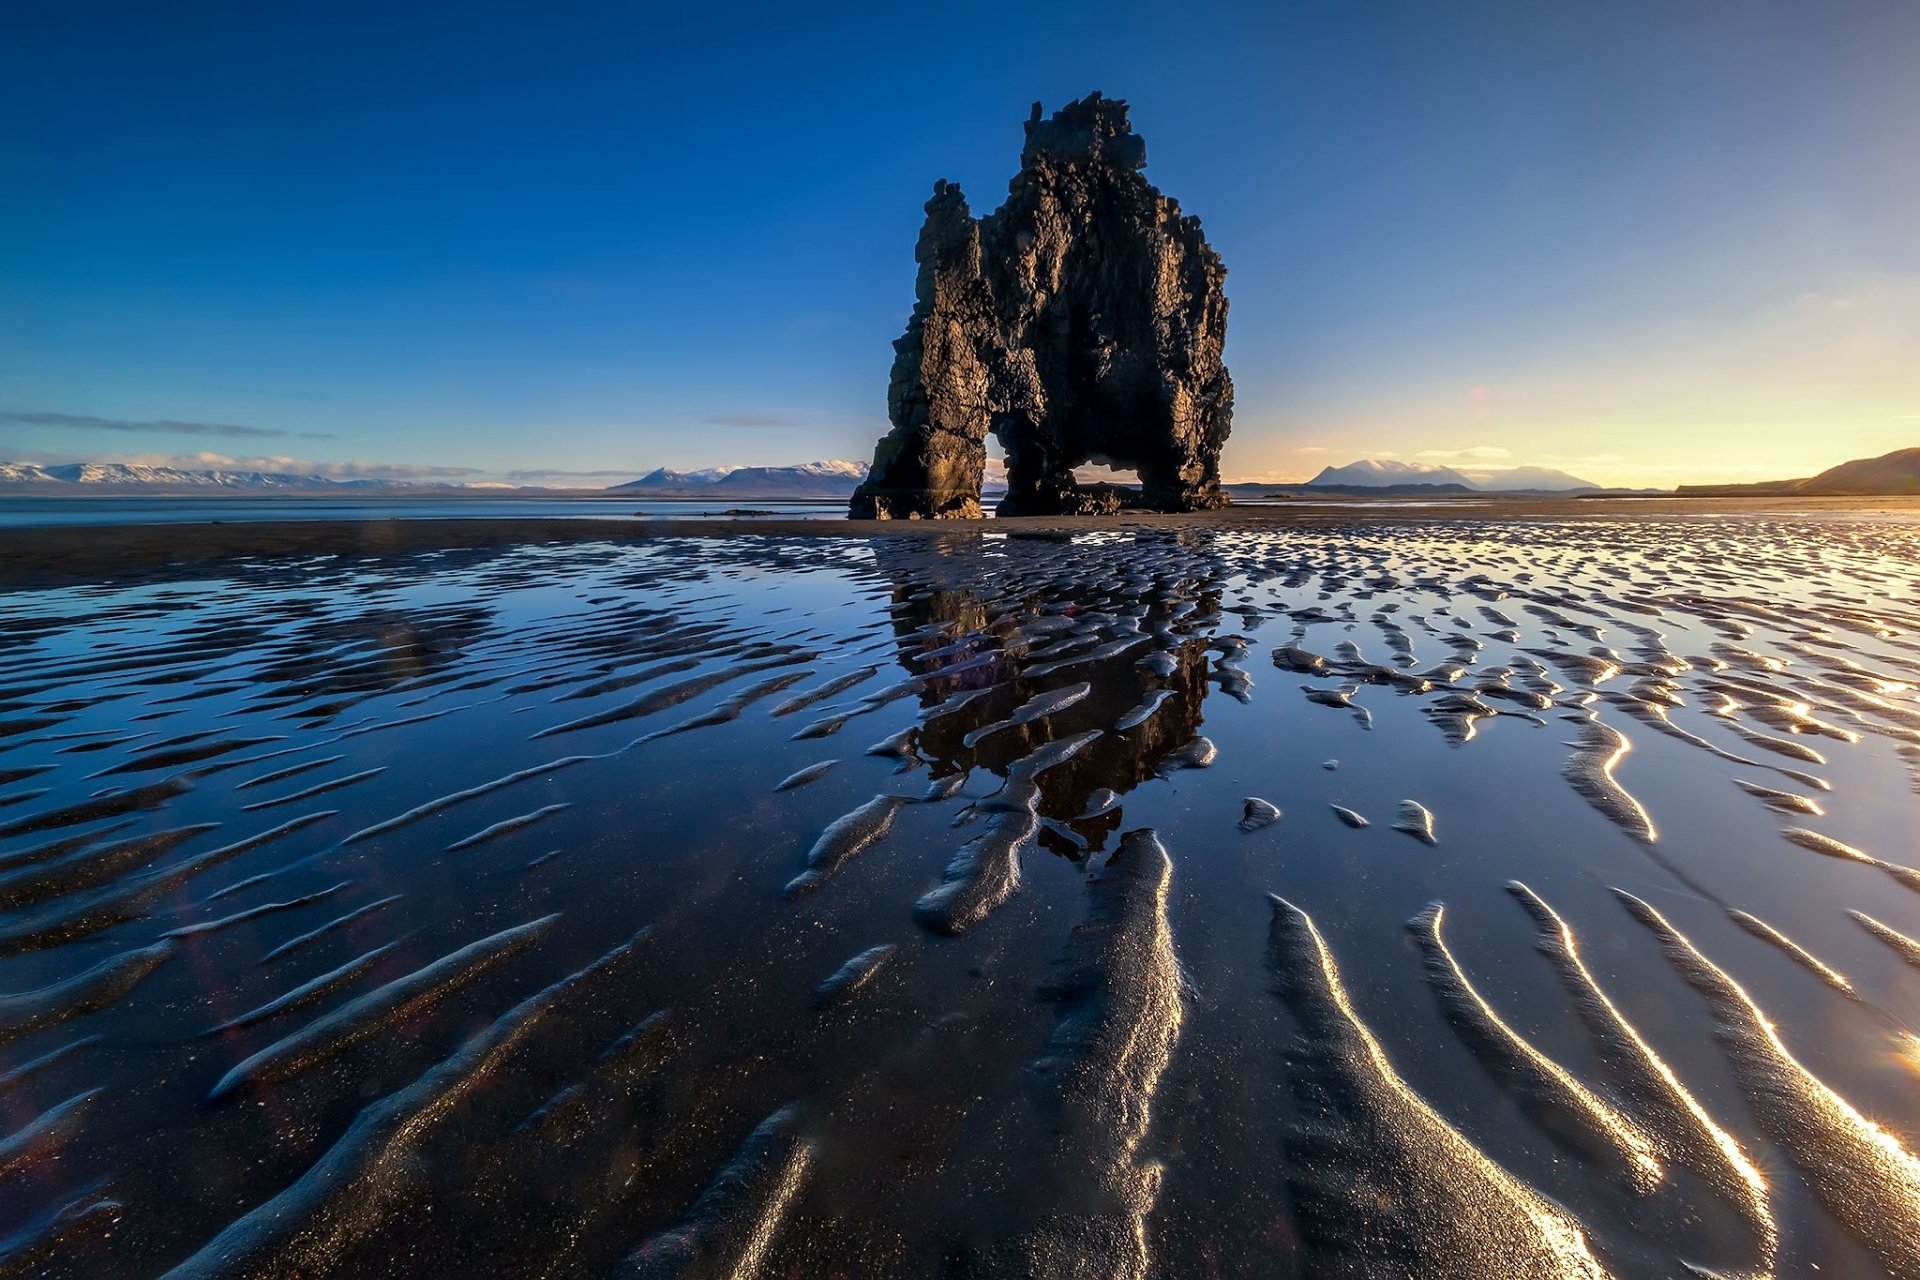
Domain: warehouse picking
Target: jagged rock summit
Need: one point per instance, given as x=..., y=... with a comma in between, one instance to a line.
x=1083, y=321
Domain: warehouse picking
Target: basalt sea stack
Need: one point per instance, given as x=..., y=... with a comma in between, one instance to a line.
x=1081, y=322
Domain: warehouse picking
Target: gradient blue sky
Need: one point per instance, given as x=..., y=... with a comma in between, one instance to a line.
x=1647, y=243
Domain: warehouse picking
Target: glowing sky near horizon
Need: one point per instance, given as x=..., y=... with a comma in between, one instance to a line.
x=1644, y=243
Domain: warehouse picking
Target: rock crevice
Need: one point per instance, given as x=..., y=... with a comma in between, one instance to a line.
x=1084, y=321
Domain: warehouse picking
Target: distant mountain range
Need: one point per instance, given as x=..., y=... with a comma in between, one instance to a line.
x=832, y=479
x=1888, y=475
x=123, y=475
x=1370, y=473
x=825, y=480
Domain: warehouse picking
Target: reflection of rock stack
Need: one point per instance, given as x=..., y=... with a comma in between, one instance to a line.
x=1026, y=696
x=915, y=606
x=1117, y=761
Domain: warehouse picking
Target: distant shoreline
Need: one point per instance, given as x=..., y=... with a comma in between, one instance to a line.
x=211, y=493
x=44, y=557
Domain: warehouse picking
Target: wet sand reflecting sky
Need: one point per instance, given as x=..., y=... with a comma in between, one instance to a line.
x=767, y=905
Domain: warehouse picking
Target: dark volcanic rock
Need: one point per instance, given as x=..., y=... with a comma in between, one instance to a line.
x=1082, y=322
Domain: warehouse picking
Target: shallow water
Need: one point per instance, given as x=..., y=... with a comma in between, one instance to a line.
x=18, y=512
x=800, y=907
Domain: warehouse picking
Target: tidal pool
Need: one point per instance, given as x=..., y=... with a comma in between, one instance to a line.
x=919, y=906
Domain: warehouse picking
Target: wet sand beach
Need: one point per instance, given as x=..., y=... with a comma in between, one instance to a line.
x=1469, y=890
x=72, y=554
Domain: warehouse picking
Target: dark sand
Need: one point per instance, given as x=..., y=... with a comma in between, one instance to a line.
x=386, y=899
x=36, y=558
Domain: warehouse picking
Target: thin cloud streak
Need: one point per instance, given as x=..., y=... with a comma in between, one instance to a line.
x=1478, y=453
x=629, y=473
x=157, y=426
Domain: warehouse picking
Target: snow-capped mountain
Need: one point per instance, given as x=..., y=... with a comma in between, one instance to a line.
x=830, y=479
x=1371, y=473
x=667, y=478
x=826, y=480
x=125, y=475
x=1528, y=478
